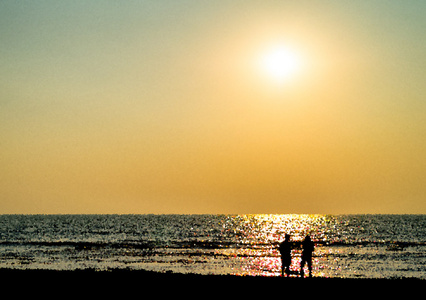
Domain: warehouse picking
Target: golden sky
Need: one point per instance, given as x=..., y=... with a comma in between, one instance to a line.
x=212, y=106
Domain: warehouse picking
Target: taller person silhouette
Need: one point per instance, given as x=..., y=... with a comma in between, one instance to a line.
x=307, y=249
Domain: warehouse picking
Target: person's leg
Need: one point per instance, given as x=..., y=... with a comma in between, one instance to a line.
x=310, y=266
x=302, y=265
x=287, y=270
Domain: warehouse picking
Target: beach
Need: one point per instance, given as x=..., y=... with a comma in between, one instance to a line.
x=124, y=284
x=137, y=280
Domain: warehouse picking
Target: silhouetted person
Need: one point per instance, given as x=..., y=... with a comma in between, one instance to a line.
x=285, y=251
x=308, y=248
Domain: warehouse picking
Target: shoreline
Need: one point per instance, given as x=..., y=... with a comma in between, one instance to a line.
x=155, y=276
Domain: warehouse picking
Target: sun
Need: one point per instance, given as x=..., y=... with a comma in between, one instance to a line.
x=280, y=63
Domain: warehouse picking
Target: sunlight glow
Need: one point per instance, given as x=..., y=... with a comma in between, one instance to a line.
x=280, y=63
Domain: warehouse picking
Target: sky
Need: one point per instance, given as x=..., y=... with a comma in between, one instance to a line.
x=183, y=107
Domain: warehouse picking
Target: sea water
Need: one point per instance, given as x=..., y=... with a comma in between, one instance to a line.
x=365, y=246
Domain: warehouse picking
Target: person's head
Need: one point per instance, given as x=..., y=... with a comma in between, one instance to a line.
x=308, y=238
x=287, y=237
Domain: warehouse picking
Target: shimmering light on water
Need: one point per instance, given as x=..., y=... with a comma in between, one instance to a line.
x=345, y=246
x=266, y=232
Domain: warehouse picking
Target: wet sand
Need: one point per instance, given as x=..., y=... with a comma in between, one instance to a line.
x=130, y=281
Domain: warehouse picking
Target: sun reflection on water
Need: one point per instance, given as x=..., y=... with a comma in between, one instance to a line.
x=264, y=233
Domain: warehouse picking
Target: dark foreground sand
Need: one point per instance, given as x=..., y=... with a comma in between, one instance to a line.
x=88, y=283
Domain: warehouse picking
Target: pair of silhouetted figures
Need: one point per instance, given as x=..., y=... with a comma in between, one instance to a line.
x=285, y=251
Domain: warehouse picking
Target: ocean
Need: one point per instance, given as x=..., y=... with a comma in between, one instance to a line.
x=347, y=246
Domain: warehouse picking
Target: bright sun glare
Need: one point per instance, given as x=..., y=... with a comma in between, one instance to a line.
x=280, y=63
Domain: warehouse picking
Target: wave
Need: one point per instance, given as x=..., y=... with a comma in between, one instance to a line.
x=143, y=245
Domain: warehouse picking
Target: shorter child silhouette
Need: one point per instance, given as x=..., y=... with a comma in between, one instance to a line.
x=285, y=251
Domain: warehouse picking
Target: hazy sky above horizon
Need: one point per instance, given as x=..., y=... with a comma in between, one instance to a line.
x=163, y=107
